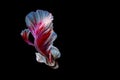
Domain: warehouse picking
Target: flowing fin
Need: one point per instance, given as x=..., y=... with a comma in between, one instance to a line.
x=51, y=38
x=49, y=42
x=35, y=18
x=25, y=35
x=40, y=58
x=55, y=52
x=38, y=21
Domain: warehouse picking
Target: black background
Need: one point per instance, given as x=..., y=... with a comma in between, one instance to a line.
x=27, y=59
x=78, y=39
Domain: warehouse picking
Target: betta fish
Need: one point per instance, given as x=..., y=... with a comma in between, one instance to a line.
x=40, y=25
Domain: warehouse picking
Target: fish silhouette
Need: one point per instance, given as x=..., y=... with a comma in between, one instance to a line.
x=40, y=25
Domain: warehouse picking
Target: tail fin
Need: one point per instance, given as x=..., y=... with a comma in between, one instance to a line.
x=34, y=18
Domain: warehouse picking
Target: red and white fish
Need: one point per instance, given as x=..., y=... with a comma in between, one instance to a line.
x=40, y=25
